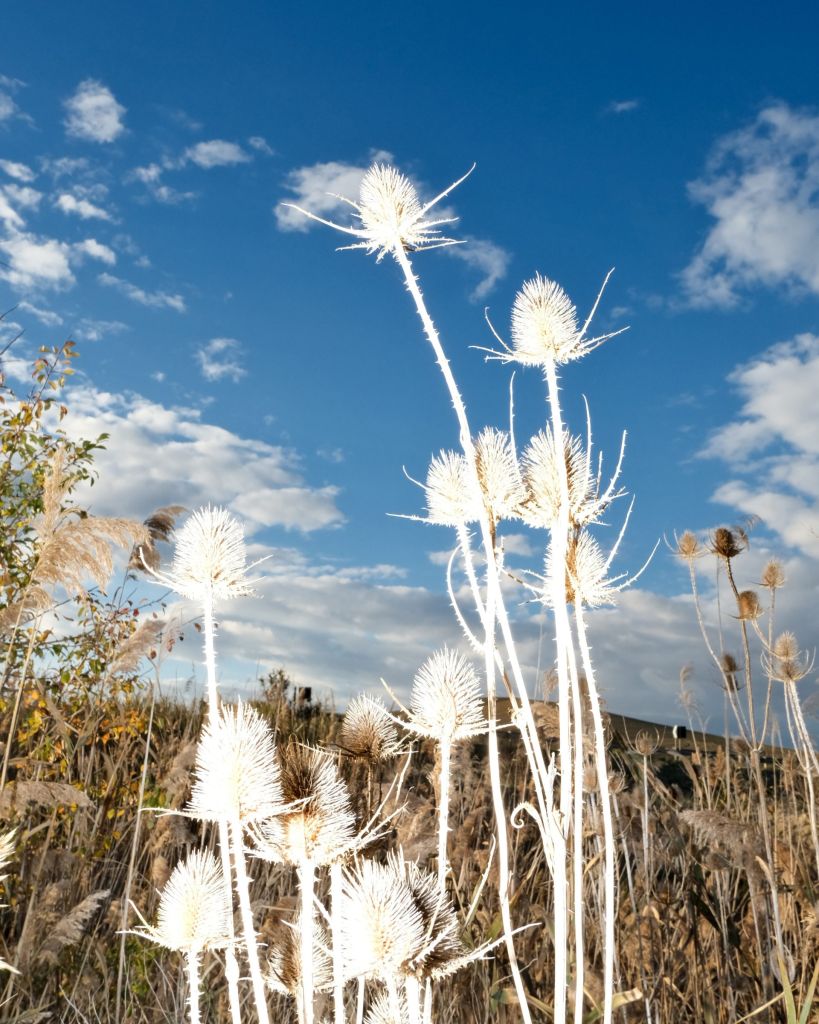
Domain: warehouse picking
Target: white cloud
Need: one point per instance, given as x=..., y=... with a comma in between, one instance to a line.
x=259, y=143
x=160, y=455
x=45, y=316
x=22, y=172
x=317, y=188
x=96, y=330
x=489, y=259
x=761, y=187
x=216, y=153
x=771, y=450
x=151, y=177
x=622, y=106
x=8, y=108
x=34, y=262
x=10, y=217
x=154, y=300
x=81, y=207
x=23, y=195
x=96, y=251
x=219, y=358
x=93, y=113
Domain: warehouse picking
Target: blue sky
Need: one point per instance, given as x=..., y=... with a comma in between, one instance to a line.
x=234, y=356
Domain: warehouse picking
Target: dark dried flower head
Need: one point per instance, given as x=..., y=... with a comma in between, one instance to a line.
x=284, y=973
x=773, y=575
x=727, y=543
x=646, y=744
x=368, y=731
x=748, y=605
x=730, y=670
x=160, y=526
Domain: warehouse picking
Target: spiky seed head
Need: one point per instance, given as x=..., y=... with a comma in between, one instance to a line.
x=451, y=497
x=544, y=324
x=688, y=547
x=585, y=572
x=442, y=944
x=542, y=474
x=368, y=731
x=446, y=699
x=236, y=774
x=773, y=575
x=382, y=1010
x=320, y=825
x=194, y=910
x=748, y=606
x=498, y=473
x=785, y=646
x=209, y=559
x=284, y=972
x=727, y=543
x=390, y=210
x=730, y=671
x=382, y=927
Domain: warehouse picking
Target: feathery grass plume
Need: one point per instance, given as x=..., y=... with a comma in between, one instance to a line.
x=70, y=929
x=450, y=493
x=498, y=473
x=236, y=774
x=391, y=215
x=143, y=642
x=209, y=559
x=367, y=730
x=160, y=525
x=194, y=915
x=7, y=842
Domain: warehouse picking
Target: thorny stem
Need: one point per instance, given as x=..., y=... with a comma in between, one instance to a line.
x=192, y=962
x=307, y=881
x=252, y=949
x=494, y=597
x=608, y=825
x=445, y=752
x=338, y=952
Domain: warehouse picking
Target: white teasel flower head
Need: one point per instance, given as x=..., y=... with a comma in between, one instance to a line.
x=584, y=573
x=498, y=473
x=394, y=922
x=284, y=972
x=787, y=664
x=317, y=823
x=236, y=775
x=541, y=476
x=544, y=324
x=209, y=559
x=451, y=495
x=391, y=216
x=368, y=731
x=382, y=1010
x=446, y=702
x=194, y=909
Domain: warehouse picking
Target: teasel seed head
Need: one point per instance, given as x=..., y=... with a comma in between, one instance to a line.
x=689, y=547
x=788, y=664
x=446, y=701
x=194, y=910
x=498, y=473
x=209, y=559
x=773, y=575
x=544, y=324
x=318, y=823
x=368, y=732
x=451, y=497
x=283, y=972
x=748, y=606
x=730, y=671
x=727, y=543
x=236, y=774
x=541, y=477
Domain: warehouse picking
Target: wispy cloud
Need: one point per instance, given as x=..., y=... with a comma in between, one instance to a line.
x=622, y=106
x=771, y=450
x=93, y=113
x=95, y=250
x=761, y=188
x=220, y=358
x=164, y=455
x=22, y=172
x=82, y=208
x=96, y=330
x=317, y=188
x=155, y=300
x=215, y=153
x=45, y=316
x=260, y=144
